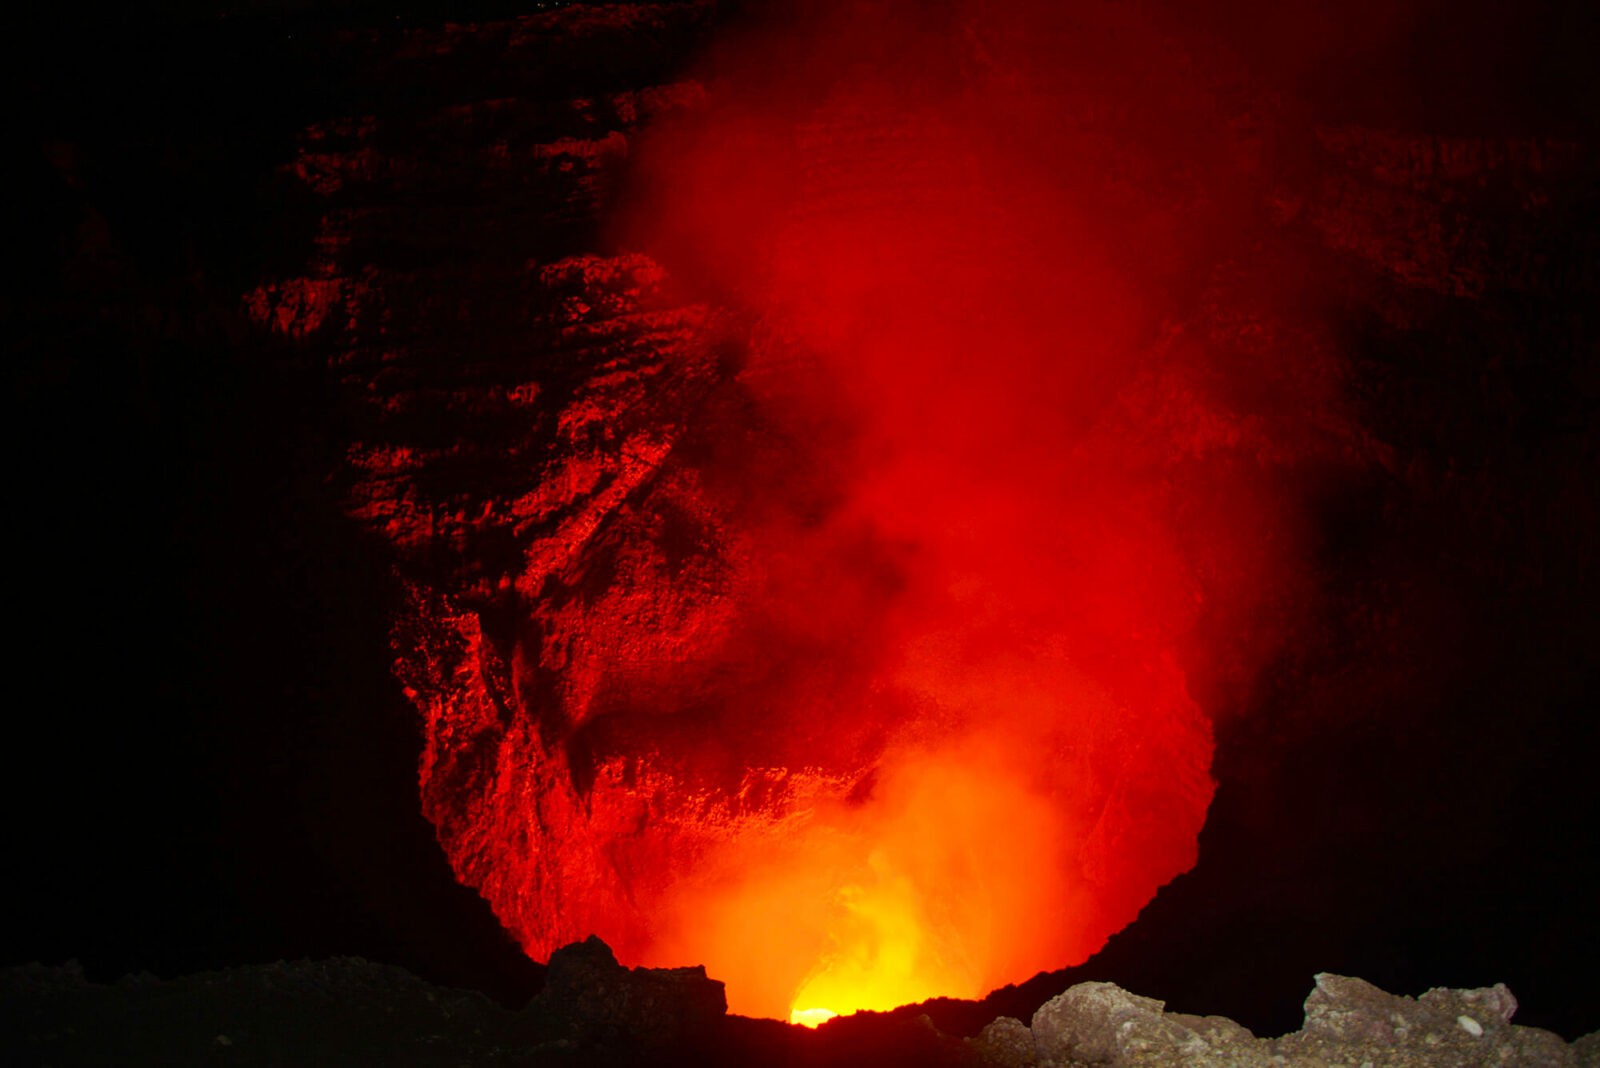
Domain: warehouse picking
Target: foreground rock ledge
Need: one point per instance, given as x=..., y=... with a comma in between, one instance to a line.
x=1347, y=1022
x=593, y=1011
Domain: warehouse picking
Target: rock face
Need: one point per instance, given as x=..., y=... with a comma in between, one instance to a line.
x=1347, y=1021
x=1007, y=1041
x=649, y=621
x=528, y=401
x=1099, y=1023
x=516, y=397
x=645, y=624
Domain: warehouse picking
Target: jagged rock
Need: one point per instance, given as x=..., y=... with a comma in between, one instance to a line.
x=591, y=1000
x=1496, y=1001
x=1100, y=1023
x=1083, y=1023
x=1342, y=1009
x=1350, y=1019
x=527, y=414
x=1347, y=1022
x=573, y=468
x=1006, y=1042
x=1219, y=1032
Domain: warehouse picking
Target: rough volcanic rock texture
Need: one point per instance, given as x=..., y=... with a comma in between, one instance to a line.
x=1347, y=1021
x=595, y=1012
x=587, y=991
x=820, y=504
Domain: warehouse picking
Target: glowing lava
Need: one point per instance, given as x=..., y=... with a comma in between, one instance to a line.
x=930, y=894
x=858, y=624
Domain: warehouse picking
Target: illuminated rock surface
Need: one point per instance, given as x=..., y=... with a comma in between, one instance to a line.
x=733, y=621
x=1347, y=1021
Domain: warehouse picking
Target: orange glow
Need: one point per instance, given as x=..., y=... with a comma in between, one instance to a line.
x=922, y=911
x=948, y=330
x=881, y=684
x=950, y=878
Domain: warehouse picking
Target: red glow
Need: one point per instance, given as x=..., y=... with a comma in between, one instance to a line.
x=879, y=681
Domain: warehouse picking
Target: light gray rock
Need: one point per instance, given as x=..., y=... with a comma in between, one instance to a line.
x=1481, y=1004
x=1086, y=1023
x=1219, y=1032
x=1102, y=1024
x=1350, y=1021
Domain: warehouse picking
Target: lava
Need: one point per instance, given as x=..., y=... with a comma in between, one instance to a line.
x=879, y=673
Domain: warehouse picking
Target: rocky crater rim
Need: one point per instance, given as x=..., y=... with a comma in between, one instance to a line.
x=594, y=1010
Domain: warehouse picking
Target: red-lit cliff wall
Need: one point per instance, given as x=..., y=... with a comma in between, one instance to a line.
x=730, y=546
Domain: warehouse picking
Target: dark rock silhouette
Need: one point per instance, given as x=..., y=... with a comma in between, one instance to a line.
x=593, y=1011
x=591, y=1001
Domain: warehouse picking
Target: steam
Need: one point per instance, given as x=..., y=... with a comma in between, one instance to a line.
x=1027, y=386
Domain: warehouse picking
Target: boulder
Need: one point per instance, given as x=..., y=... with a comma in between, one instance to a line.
x=1102, y=1024
x=589, y=1000
x=1350, y=1020
x=1007, y=1043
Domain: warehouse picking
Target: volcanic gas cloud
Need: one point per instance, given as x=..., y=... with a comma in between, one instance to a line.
x=935, y=489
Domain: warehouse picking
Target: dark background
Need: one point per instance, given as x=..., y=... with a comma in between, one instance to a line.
x=208, y=762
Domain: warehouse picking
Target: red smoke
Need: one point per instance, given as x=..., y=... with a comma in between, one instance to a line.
x=977, y=246
x=991, y=501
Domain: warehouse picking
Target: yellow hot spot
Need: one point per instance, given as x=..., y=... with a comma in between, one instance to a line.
x=883, y=951
x=932, y=886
